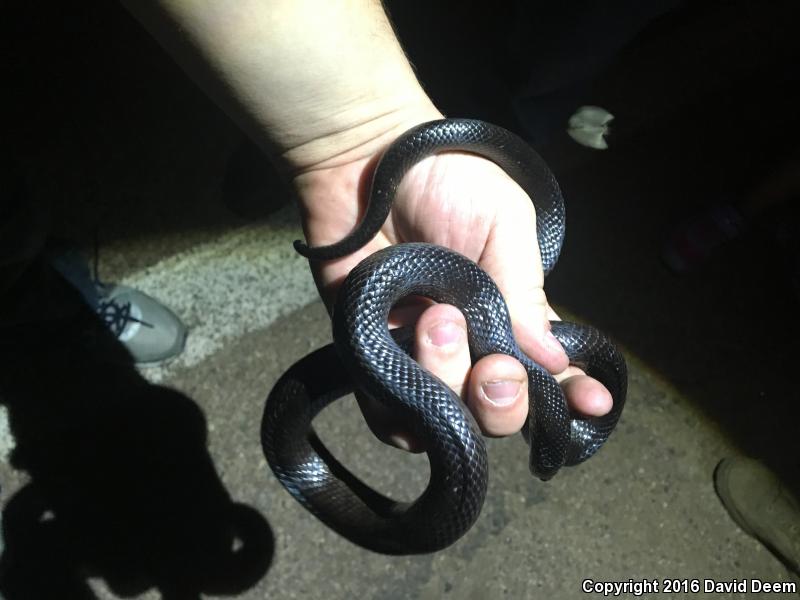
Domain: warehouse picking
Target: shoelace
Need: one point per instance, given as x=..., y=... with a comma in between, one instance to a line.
x=116, y=315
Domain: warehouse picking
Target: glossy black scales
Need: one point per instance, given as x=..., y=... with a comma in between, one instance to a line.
x=366, y=356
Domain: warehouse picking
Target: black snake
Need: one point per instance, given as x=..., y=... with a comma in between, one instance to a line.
x=367, y=356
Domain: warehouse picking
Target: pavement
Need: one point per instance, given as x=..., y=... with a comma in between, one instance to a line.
x=120, y=482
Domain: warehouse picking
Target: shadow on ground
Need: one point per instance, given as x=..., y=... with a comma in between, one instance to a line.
x=121, y=485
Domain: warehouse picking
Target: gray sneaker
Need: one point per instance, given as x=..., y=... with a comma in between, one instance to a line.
x=762, y=506
x=150, y=331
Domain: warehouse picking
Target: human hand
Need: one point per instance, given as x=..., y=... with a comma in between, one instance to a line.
x=323, y=87
x=467, y=204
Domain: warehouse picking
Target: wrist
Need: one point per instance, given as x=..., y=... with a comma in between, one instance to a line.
x=364, y=131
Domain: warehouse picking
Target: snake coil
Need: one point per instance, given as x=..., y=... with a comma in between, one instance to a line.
x=368, y=357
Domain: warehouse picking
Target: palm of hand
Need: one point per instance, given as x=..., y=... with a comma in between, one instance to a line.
x=469, y=205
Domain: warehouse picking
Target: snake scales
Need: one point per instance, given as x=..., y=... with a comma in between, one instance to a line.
x=367, y=356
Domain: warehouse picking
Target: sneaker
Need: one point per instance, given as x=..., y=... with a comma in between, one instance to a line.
x=761, y=506
x=150, y=331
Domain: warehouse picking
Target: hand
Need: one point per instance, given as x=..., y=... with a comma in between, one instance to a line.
x=469, y=205
x=323, y=87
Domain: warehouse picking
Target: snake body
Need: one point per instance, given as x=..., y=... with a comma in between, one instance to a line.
x=368, y=357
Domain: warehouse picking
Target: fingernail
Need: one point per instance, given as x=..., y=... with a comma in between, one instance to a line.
x=444, y=333
x=553, y=345
x=501, y=393
x=400, y=441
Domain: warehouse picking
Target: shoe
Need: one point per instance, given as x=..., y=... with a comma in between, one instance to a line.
x=761, y=506
x=150, y=331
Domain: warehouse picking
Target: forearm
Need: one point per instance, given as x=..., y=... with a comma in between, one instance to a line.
x=316, y=82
